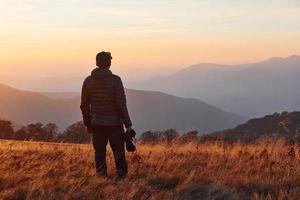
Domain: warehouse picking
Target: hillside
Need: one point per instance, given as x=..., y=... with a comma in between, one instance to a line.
x=248, y=89
x=24, y=107
x=285, y=125
x=149, y=111
x=31, y=170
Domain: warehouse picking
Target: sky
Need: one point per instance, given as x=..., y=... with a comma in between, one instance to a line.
x=60, y=38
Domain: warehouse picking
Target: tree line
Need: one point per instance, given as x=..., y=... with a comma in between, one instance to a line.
x=76, y=133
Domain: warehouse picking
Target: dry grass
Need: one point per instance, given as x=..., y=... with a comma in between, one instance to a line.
x=265, y=170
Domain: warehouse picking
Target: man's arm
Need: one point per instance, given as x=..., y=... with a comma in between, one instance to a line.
x=121, y=103
x=85, y=105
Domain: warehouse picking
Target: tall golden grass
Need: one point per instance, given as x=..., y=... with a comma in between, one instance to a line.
x=264, y=170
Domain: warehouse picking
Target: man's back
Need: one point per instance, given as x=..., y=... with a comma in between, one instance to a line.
x=103, y=100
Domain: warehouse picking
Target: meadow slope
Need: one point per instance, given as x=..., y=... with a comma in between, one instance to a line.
x=265, y=170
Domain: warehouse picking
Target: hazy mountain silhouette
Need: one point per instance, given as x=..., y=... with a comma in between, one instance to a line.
x=248, y=89
x=149, y=111
x=61, y=95
x=24, y=107
x=285, y=125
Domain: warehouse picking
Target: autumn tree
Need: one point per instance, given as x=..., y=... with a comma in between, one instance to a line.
x=21, y=134
x=6, y=129
x=169, y=135
x=76, y=133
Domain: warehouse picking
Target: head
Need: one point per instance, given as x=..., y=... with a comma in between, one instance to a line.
x=103, y=59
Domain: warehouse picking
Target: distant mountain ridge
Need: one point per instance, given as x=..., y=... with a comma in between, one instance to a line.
x=285, y=125
x=148, y=110
x=251, y=90
x=24, y=107
x=61, y=95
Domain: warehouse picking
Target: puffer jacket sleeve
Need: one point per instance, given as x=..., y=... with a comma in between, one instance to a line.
x=85, y=104
x=121, y=102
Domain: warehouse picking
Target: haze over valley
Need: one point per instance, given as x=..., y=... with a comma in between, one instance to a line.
x=149, y=110
x=250, y=90
x=208, y=97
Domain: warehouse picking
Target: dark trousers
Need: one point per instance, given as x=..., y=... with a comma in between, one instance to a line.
x=115, y=136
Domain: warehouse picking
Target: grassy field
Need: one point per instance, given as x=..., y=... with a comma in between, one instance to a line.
x=265, y=170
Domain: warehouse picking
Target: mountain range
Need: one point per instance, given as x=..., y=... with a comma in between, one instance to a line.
x=250, y=90
x=284, y=125
x=149, y=110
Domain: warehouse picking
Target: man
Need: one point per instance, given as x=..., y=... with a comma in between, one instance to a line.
x=104, y=110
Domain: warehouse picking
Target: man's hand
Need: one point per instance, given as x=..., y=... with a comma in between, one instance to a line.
x=128, y=129
x=89, y=129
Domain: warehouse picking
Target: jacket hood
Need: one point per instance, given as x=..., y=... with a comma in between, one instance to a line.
x=101, y=73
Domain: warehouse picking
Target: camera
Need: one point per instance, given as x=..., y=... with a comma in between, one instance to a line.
x=129, y=137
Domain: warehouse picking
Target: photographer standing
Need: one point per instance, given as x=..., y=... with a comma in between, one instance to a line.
x=104, y=110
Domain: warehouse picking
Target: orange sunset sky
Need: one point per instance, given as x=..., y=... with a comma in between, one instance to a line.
x=60, y=38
